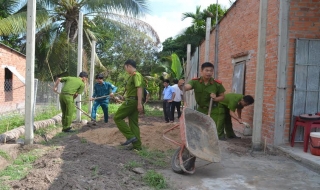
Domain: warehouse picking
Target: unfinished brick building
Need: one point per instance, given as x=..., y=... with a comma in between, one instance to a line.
x=12, y=78
x=289, y=47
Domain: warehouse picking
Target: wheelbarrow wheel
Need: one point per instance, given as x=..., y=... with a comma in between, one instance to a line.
x=188, y=161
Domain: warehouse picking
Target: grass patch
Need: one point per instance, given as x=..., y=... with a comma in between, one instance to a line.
x=156, y=180
x=132, y=164
x=4, y=155
x=151, y=111
x=11, y=121
x=157, y=158
x=44, y=131
x=21, y=166
x=95, y=171
x=83, y=140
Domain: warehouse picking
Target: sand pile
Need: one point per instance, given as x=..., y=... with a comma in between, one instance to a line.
x=151, y=136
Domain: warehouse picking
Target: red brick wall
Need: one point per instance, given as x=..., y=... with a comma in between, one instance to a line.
x=238, y=33
x=304, y=22
x=10, y=57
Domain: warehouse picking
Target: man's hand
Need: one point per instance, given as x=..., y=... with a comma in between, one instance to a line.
x=55, y=89
x=213, y=95
x=112, y=95
x=240, y=121
x=91, y=99
x=140, y=108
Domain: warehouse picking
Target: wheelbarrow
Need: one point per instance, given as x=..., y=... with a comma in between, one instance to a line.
x=199, y=139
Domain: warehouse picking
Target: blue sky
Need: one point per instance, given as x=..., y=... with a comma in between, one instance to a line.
x=165, y=15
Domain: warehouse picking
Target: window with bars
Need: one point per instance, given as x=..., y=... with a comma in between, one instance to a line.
x=7, y=80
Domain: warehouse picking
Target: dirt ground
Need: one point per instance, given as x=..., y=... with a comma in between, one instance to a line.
x=93, y=158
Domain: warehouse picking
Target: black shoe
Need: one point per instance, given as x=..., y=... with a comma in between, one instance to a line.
x=222, y=138
x=132, y=140
x=234, y=137
x=68, y=130
x=167, y=121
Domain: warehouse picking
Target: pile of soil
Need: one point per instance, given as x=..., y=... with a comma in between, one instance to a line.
x=151, y=132
x=94, y=159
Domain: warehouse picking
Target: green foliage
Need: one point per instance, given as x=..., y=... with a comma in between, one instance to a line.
x=83, y=140
x=132, y=164
x=44, y=131
x=152, y=111
x=176, y=66
x=4, y=155
x=15, y=120
x=21, y=166
x=95, y=170
x=157, y=158
x=156, y=180
x=118, y=37
x=194, y=34
x=57, y=23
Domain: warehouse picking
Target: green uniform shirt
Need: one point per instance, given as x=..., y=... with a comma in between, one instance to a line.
x=72, y=85
x=231, y=100
x=202, y=91
x=134, y=81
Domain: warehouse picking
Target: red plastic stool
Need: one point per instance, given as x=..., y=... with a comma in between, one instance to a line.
x=307, y=121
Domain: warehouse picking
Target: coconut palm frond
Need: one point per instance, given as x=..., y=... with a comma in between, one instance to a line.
x=128, y=7
x=135, y=24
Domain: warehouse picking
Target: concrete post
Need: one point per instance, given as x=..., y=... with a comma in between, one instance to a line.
x=282, y=72
x=29, y=92
x=259, y=89
x=208, y=28
x=92, y=80
x=216, y=46
x=79, y=67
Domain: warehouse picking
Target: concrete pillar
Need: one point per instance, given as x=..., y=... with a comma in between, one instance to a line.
x=79, y=67
x=92, y=80
x=207, y=43
x=259, y=89
x=282, y=72
x=30, y=53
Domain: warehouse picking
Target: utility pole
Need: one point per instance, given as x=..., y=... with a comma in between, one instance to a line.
x=29, y=85
x=79, y=67
x=92, y=82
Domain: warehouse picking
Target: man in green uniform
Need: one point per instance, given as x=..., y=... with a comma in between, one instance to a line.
x=206, y=88
x=131, y=107
x=231, y=103
x=72, y=87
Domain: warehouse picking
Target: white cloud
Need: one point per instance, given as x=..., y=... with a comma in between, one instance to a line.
x=166, y=15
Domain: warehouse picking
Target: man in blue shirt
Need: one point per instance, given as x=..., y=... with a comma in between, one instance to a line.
x=100, y=89
x=168, y=95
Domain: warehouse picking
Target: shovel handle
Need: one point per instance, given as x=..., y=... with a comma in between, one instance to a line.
x=210, y=105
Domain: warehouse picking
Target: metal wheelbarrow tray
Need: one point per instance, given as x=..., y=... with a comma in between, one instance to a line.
x=198, y=138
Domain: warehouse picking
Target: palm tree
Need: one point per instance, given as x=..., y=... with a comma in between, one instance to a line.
x=198, y=23
x=198, y=27
x=57, y=26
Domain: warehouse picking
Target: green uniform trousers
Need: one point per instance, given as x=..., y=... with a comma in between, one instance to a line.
x=218, y=116
x=67, y=108
x=227, y=124
x=129, y=109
